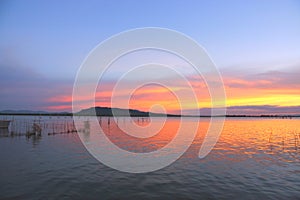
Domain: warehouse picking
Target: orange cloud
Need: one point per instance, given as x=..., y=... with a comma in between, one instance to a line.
x=257, y=90
x=59, y=108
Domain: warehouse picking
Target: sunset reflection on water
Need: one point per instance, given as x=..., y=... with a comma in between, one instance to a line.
x=254, y=157
x=241, y=138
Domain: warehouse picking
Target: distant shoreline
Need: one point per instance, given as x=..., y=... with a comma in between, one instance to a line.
x=156, y=115
x=121, y=112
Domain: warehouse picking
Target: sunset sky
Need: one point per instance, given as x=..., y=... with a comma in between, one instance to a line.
x=254, y=44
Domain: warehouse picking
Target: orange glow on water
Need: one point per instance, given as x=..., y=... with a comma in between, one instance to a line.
x=125, y=141
x=245, y=137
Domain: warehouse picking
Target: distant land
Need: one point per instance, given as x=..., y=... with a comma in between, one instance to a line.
x=107, y=111
x=32, y=112
x=100, y=111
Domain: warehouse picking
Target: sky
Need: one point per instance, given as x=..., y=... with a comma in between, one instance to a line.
x=254, y=44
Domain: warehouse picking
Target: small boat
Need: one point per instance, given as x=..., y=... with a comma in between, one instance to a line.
x=4, y=124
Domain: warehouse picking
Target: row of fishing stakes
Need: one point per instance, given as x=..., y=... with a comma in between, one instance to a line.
x=62, y=127
x=286, y=139
x=30, y=127
x=36, y=127
x=139, y=120
x=25, y=127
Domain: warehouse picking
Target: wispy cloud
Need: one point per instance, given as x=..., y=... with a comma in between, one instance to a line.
x=24, y=88
x=270, y=92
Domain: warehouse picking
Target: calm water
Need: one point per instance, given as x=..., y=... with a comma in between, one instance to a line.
x=253, y=159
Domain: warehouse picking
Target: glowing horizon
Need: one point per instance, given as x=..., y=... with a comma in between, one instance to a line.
x=239, y=95
x=255, y=47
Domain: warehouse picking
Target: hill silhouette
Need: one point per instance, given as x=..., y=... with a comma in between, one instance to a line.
x=107, y=111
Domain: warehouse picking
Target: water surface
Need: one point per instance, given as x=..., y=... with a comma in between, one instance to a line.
x=254, y=158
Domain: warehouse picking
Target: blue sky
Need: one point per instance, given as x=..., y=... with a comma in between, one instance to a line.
x=50, y=39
